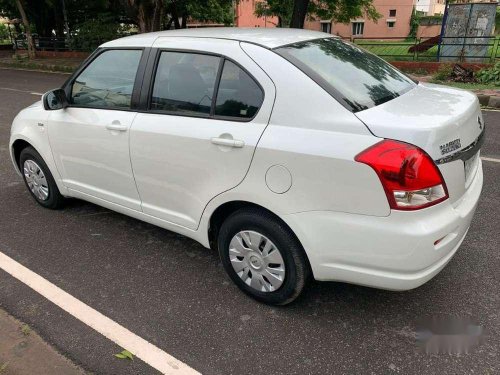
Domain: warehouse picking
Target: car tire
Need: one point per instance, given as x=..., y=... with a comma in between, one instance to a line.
x=255, y=267
x=39, y=180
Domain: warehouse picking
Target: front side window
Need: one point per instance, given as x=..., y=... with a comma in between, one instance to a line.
x=238, y=94
x=185, y=83
x=108, y=81
x=361, y=79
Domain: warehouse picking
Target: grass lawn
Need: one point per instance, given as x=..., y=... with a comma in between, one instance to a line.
x=468, y=86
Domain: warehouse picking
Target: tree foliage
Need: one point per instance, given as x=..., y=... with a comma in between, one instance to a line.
x=281, y=9
x=4, y=32
x=47, y=17
x=293, y=13
x=414, y=23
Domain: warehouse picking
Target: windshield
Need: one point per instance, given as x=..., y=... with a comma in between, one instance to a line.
x=355, y=77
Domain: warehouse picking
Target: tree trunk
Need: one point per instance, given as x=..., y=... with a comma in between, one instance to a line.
x=157, y=13
x=29, y=39
x=299, y=13
x=141, y=20
x=169, y=23
x=184, y=21
x=65, y=18
x=148, y=14
x=175, y=17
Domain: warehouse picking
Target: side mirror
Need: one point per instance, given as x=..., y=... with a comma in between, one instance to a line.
x=55, y=99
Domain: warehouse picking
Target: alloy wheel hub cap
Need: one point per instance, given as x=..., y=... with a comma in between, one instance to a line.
x=257, y=261
x=36, y=180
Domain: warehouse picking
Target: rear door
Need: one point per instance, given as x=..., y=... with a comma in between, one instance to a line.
x=206, y=108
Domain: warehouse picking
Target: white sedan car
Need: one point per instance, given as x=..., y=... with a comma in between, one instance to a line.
x=292, y=152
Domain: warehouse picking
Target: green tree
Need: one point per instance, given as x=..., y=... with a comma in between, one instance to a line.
x=4, y=33
x=293, y=13
x=154, y=15
x=178, y=12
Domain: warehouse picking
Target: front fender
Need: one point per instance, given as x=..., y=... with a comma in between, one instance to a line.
x=31, y=126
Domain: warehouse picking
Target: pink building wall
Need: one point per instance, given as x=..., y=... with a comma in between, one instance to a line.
x=379, y=29
x=245, y=16
x=428, y=31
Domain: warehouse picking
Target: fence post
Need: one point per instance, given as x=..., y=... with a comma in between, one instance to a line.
x=494, y=50
x=415, y=52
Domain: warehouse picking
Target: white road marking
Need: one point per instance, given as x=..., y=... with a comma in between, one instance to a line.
x=141, y=348
x=490, y=159
x=17, y=90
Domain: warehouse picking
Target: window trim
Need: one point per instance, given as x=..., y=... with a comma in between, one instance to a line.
x=150, y=75
x=139, y=76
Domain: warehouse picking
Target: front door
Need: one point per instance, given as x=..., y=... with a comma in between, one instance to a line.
x=90, y=138
x=197, y=139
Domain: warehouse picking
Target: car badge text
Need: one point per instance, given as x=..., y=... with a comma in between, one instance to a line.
x=450, y=146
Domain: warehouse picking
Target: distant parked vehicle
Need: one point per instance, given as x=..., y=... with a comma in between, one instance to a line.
x=292, y=152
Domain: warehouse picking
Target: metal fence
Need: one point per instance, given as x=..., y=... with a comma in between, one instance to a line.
x=464, y=49
x=58, y=44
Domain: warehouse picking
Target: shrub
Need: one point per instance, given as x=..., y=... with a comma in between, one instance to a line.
x=490, y=75
x=93, y=32
x=443, y=73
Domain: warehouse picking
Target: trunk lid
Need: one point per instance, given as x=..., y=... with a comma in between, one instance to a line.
x=445, y=122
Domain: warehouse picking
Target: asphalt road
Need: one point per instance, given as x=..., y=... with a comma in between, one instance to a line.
x=172, y=292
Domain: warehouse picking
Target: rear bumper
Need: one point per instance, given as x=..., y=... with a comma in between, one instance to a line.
x=396, y=252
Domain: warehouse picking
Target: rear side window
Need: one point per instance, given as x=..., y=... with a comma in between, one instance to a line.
x=185, y=83
x=238, y=94
x=360, y=79
x=108, y=81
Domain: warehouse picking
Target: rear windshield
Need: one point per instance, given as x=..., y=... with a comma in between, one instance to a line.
x=360, y=80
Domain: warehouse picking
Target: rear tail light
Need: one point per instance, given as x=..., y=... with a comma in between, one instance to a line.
x=409, y=176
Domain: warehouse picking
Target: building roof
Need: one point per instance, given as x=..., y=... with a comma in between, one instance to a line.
x=266, y=37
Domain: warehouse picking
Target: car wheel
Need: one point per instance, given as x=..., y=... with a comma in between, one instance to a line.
x=262, y=256
x=39, y=180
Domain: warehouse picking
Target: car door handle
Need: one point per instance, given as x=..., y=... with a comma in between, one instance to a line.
x=228, y=142
x=116, y=126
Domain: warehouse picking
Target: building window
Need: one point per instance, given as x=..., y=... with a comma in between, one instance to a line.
x=326, y=27
x=392, y=13
x=391, y=23
x=358, y=28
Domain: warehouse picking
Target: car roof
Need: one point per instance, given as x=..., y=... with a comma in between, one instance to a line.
x=266, y=37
